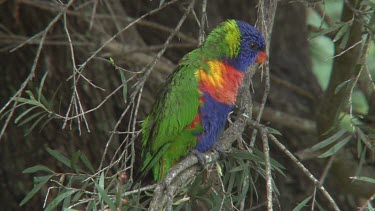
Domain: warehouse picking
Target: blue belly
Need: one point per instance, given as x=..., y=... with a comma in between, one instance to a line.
x=213, y=115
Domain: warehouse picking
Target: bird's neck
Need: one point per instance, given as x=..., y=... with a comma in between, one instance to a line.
x=221, y=81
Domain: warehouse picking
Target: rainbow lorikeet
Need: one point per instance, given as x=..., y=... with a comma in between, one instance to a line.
x=192, y=108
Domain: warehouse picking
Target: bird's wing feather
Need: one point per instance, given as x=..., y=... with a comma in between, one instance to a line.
x=176, y=107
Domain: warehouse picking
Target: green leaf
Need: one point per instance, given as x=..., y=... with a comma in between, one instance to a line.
x=41, y=86
x=361, y=162
x=87, y=163
x=231, y=182
x=182, y=200
x=24, y=113
x=31, y=95
x=58, y=199
x=339, y=87
x=124, y=86
x=75, y=157
x=105, y=196
x=37, y=168
x=47, y=104
x=327, y=141
x=302, y=204
x=219, y=169
x=40, y=179
x=35, y=123
x=245, y=184
x=80, y=193
x=364, y=179
x=7, y=112
x=112, y=62
x=342, y=31
x=274, y=131
x=239, y=168
x=118, y=197
x=28, y=119
x=58, y=156
x=344, y=41
x=35, y=190
x=27, y=101
x=101, y=180
x=326, y=31
x=246, y=155
x=335, y=148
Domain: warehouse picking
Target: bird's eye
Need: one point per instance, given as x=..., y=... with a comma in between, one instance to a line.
x=254, y=46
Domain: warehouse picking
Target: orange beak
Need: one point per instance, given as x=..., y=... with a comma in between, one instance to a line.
x=262, y=57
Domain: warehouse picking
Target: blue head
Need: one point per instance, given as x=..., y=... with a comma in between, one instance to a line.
x=251, y=49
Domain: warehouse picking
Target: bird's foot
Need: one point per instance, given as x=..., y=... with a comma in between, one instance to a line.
x=200, y=156
x=219, y=149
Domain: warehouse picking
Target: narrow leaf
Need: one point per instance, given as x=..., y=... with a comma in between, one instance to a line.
x=75, y=157
x=87, y=162
x=24, y=113
x=326, y=31
x=41, y=86
x=182, y=200
x=124, y=86
x=274, y=131
x=105, y=197
x=335, y=148
x=35, y=123
x=218, y=169
x=28, y=119
x=31, y=95
x=36, y=169
x=364, y=179
x=339, y=87
x=60, y=157
x=327, y=141
x=302, y=204
x=341, y=32
x=344, y=41
x=58, y=199
x=101, y=180
x=35, y=190
x=27, y=101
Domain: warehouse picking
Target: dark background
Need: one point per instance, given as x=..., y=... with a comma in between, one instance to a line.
x=294, y=88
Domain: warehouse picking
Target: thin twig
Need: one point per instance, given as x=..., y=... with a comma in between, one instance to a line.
x=75, y=94
x=305, y=171
x=322, y=178
x=83, y=65
x=32, y=70
x=266, y=12
x=93, y=14
x=203, y=21
x=346, y=50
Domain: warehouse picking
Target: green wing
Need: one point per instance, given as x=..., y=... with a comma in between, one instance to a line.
x=164, y=136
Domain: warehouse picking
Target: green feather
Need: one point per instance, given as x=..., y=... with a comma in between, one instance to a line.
x=165, y=136
x=175, y=109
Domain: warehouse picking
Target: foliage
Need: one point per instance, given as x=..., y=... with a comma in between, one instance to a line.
x=237, y=178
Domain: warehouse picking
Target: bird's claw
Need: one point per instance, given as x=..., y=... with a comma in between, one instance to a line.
x=200, y=156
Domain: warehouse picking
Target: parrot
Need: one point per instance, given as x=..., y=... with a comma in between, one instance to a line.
x=192, y=107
